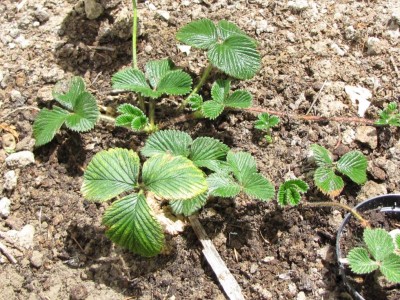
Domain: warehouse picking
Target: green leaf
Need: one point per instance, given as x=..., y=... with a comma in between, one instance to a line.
x=289, y=192
x=258, y=187
x=189, y=206
x=212, y=109
x=321, y=155
x=206, y=149
x=328, y=182
x=220, y=90
x=85, y=113
x=237, y=56
x=389, y=116
x=354, y=165
x=379, y=243
x=157, y=69
x=131, y=116
x=239, y=99
x=196, y=102
x=167, y=141
x=199, y=34
x=227, y=29
x=222, y=185
x=397, y=241
x=66, y=93
x=242, y=164
x=360, y=262
x=390, y=268
x=110, y=173
x=173, y=177
x=175, y=83
x=130, y=79
x=266, y=121
x=47, y=124
x=131, y=224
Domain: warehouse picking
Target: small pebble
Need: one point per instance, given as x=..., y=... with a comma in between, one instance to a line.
x=10, y=180
x=5, y=207
x=36, y=259
x=78, y=292
x=20, y=159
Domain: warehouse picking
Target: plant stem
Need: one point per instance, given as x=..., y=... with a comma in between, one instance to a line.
x=364, y=223
x=152, y=108
x=134, y=35
x=107, y=118
x=203, y=79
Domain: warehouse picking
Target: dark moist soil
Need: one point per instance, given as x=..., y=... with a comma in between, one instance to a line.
x=370, y=286
x=273, y=253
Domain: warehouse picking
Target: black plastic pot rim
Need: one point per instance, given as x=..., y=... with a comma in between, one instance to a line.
x=389, y=203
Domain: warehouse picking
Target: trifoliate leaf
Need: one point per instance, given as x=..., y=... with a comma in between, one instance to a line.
x=130, y=79
x=212, y=109
x=66, y=93
x=389, y=116
x=85, y=113
x=242, y=164
x=321, y=155
x=206, y=149
x=175, y=83
x=173, y=177
x=167, y=141
x=239, y=99
x=47, y=124
x=360, y=261
x=354, y=165
x=237, y=56
x=328, y=182
x=222, y=185
x=199, y=34
x=379, y=243
x=131, y=116
x=289, y=192
x=257, y=187
x=189, y=206
x=131, y=224
x=157, y=69
x=266, y=121
x=220, y=90
x=110, y=173
x=195, y=101
x=227, y=29
x=390, y=267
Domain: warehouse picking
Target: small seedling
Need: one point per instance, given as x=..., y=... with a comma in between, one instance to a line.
x=290, y=192
x=80, y=113
x=265, y=122
x=353, y=164
x=221, y=99
x=379, y=253
x=389, y=116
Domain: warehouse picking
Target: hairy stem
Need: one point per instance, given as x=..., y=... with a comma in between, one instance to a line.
x=107, y=118
x=364, y=223
x=203, y=79
x=152, y=108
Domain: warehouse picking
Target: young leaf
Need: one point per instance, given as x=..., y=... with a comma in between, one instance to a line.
x=131, y=224
x=237, y=56
x=85, y=113
x=322, y=156
x=66, y=93
x=289, y=192
x=212, y=109
x=222, y=185
x=389, y=116
x=189, y=206
x=199, y=34
x=266, y=121
x=131, y=116
x=206, y=149
x=173, y=177
x=47, y=124
x=328, y=182
x=227, y=29
x=257, y=187
x=379, y=243
x=175, y=83
x=242, y=164
x=239, y=99
x=157, y=69
x=354, y=165
x=360, y=262
x=196, y=102
x=167, y=141
x=220, y=90
x=110, y=173
x=130, y=79
x=390, y=267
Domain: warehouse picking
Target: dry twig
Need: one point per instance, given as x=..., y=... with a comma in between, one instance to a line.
x=3, y=249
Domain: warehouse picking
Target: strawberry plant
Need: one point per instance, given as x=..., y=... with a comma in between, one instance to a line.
x=79, y=112
x=265, y=122
x=389, y=116
x=172, y=172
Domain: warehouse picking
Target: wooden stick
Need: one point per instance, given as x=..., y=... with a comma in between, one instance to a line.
x=4, y=250
x=225, y=277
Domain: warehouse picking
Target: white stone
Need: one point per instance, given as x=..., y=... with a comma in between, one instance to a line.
x=164, y=14
x=359, y=95
x=10, y=180
x=36, y=259
x=339, y=51
x=24, y=237
x=374, y=46
x=20, y=159
x=350, y=33
x=301, y=296
x=371, y=189
x=298, y=5
x=93, y=9
x=348, y=136
x=261, y=26
x=24, y=43
x=184, y=49
x=5, y=207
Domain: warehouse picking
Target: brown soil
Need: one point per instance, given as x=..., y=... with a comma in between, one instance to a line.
x=273, y=253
